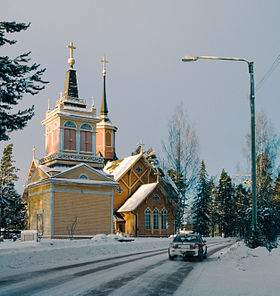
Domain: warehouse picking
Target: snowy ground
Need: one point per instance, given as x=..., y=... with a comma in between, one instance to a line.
x=236, y=270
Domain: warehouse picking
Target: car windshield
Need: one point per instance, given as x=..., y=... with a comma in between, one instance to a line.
x=186, y=238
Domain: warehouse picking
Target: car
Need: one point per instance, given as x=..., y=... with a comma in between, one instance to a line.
x=187, y=246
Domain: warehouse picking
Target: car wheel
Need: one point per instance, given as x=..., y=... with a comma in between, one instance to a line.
x=171, y=257
x=205, y=254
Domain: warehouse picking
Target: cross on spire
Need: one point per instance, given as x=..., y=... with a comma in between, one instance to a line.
x=141, y=144
x=104, y=61
x=71, y=60
x=71, y=46
x=33, y=149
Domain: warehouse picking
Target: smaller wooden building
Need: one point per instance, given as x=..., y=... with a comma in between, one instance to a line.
x=144, y=201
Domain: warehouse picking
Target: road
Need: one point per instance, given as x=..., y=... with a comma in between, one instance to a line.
x=142, y=273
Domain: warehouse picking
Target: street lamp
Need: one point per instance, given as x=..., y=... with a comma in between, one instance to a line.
x=253, y=126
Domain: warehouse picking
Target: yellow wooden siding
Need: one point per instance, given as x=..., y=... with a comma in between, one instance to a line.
x=93, y=213
x=40, y=202
x=130, y=223
x=83, y=188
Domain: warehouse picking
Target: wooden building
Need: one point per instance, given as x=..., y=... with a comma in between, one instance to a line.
x=144, y=200
x=67, y=191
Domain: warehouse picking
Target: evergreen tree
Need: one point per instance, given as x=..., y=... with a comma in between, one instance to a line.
x=226, y=207
x=243, y=224
x=202, y=203
x=12, y=214
x=17, y=78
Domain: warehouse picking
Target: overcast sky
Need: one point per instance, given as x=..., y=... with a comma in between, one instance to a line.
x=144, y=42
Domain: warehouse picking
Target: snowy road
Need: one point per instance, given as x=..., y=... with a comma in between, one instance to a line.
x=141, y=273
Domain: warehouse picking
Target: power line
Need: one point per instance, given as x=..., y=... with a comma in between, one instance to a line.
x=268, y=73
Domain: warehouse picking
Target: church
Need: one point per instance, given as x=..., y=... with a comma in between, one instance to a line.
x=70, y=193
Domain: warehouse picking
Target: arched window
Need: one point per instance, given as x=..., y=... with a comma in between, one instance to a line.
x=83, y=176
x=148, y=219
x=70, y=136
x=163, y=219
x=86, y=137
x=156, y=216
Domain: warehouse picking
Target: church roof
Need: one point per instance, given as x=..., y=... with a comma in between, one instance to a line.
x=119, y=167
x=137, y=198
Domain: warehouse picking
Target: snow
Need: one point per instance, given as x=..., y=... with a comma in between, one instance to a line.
x=19, y=256
x=234, y=270
x=138, y=196
x=119, y=167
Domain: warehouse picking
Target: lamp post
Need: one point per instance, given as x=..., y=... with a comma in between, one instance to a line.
x=253, y=125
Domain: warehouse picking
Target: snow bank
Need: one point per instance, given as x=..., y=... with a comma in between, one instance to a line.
x=15, y=256
x=236, y=270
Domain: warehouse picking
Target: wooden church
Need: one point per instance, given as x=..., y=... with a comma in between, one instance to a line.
x=70, y=193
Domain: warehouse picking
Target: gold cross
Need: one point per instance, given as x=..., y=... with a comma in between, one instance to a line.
x=71, y=46
x=141, y=144
x=104, y=61
x=33, y=149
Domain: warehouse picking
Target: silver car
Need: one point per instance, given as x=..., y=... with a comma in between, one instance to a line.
x=188, y=245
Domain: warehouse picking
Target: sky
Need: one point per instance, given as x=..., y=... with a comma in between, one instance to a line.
x=144, y=42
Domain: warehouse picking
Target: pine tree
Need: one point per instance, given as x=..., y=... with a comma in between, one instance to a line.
x=243, y=221
x=16, y=79
x=226, y=205
x=12, y=214
x=202, y=203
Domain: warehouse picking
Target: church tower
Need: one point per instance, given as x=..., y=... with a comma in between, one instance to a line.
x=105, y=140
x=70, y=129
x=67, y=192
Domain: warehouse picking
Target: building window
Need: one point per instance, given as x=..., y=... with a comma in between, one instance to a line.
x=86, y=137
x=70, y=136
x=156, y=216
x=138, y=170
x=148, y=219
x=163, y=219
x=155, y=197
x=86, y=126
x=83, y=176
x=120, y=190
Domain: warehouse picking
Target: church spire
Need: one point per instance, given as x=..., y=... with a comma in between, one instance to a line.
x=71, y=86
x=104, y=107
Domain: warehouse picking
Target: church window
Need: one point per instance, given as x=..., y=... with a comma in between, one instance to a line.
x=156, y=197
x=138, y=170
x=163, y=219
x=86, y=126
x=120, y=190
x=70, y=136
x=148, y=219
x=108, y=139
x=156, y=218
x=70, y=124
x=86, y=138
x=83, y=176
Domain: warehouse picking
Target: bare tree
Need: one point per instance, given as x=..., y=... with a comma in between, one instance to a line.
x=181, y=157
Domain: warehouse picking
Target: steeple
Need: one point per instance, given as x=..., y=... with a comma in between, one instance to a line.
x=71, y=86
x=105, y=137
x=104, y=107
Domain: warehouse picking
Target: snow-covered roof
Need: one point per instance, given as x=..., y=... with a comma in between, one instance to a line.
x=119, y=167
x=138, y=196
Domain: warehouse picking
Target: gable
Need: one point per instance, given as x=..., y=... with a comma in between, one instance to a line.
x=36, y=173
x=83, y=171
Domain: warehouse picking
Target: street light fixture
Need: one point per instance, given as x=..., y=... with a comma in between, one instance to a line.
x=253, y=125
